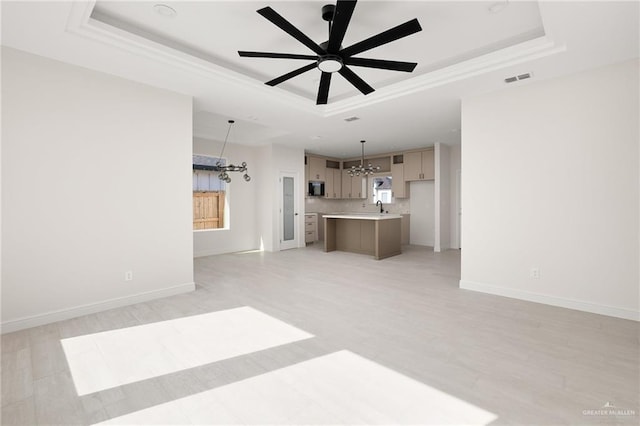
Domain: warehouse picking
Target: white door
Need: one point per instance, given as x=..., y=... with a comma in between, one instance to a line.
x=288, y=214
x=422, y=227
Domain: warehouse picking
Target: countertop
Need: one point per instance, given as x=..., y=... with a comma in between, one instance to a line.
x=362, y=216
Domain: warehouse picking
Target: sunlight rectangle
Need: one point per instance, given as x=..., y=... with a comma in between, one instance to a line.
x=338, y=389
x=112, y=358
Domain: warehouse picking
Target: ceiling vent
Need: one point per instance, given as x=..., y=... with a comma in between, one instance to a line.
x=518, y=77
x=352, y=119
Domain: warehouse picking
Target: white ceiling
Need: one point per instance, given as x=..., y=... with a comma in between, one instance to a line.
x=463, y=50
x=215, y=31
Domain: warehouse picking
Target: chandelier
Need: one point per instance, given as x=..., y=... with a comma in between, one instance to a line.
x=361, y=169
x=224, y=170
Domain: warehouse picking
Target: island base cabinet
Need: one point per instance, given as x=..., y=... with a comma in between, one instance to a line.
x=388, y=236
x=378, y=238
x=355, y=236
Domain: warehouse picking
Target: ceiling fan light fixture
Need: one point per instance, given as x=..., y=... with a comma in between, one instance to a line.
x=164, y=10
x=330, y=63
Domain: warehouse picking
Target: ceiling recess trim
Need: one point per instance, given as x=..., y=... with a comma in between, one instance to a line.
x=81, y=24
x=513, y=55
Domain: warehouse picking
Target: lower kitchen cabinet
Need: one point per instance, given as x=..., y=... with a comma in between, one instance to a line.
x=310, y=227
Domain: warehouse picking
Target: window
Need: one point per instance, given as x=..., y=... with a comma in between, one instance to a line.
x=381, y=189
x=209, y=194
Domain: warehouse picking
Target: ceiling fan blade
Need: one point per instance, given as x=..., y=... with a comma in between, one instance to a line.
x=287, y=27
x=291, y=74
x=359, y=83
x=382, y=64
x=402, y=30
x=342, y=17
x=246, y=54
x=323, y=89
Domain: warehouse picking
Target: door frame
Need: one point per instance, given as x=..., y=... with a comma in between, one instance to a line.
x=286, y=245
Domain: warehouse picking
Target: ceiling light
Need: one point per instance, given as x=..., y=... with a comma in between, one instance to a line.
x=224, y=170
x=499, y=6
x=164, y=10
x=330, y=63
x=361, y=169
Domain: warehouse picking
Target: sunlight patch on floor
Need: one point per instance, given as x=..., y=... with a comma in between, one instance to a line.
x=112, y=358
x=339, y=388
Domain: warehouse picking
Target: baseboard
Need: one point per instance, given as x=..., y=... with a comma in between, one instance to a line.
x=551, y=300
x=206, y=253
x=92, y=308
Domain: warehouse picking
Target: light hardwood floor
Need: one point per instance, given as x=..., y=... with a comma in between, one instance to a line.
x=402, y=317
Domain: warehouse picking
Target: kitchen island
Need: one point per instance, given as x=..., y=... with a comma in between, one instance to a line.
x=375, y=234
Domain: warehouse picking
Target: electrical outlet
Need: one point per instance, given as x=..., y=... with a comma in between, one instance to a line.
x=128, y=276
x=535, y=273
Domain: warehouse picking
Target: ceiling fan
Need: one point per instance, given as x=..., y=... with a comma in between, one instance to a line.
x=330, y=56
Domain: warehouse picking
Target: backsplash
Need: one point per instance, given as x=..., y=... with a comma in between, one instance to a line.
x=323, y=205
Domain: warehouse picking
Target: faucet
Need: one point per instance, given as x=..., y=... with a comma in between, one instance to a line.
x=380, y=204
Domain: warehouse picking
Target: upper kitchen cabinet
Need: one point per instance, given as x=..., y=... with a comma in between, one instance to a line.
x=419, y=165
x=399, y=185
x=383, y=162
x=353, y=187
x=333, y=180
x=317, y=167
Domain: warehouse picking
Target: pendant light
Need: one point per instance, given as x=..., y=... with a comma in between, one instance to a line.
x=361, y=169
x=224, y=170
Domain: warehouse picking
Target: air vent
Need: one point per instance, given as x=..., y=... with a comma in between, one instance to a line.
x=352, y=119
x=517, y=78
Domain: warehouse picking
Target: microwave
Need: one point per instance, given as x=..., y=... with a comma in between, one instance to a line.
x=316, y=189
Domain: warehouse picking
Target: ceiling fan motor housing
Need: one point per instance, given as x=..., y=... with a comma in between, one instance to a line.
x=328, y=12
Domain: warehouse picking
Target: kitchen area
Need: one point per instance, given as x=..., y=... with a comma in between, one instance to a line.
x=409, y=197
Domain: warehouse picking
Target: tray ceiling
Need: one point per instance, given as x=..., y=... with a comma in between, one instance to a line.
x=215, y=31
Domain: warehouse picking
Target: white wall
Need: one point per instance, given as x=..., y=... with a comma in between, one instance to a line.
x=275, y=159
x=422, y=210
x=266, y=197
x=550, y=180
x=455, y=153
x=96, y=181
x=242, y=204
x=442, y=198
